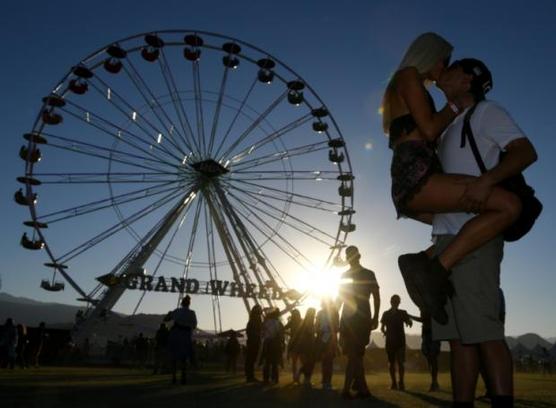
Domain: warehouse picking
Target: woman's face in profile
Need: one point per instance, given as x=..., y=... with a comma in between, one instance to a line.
x=438, y=69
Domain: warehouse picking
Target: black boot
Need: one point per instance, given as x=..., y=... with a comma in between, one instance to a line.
x=408, y=263
x=427, y=284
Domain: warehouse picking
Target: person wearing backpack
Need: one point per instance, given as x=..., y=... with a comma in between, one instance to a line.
x=474, y=329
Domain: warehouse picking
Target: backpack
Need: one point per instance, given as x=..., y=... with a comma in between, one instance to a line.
x=531, y=206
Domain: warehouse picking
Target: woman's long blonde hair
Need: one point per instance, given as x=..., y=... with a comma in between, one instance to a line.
x=423, y=53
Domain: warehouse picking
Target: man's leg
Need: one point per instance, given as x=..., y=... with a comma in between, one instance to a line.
x=392, y=369
x=433, y=367
x=327, y=367
x=361, y=381
x=464, y=371
x=498, y=366
x=348, y=379
x=401, y=360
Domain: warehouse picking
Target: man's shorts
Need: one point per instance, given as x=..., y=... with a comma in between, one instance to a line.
x=474, y=310
x=396, y=354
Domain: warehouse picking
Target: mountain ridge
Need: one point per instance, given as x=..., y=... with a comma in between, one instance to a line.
x=31, y=312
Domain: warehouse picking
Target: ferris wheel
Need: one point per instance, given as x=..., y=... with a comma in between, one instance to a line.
x=179, y=161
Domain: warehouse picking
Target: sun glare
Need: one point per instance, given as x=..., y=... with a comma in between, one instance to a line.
x=319, y=284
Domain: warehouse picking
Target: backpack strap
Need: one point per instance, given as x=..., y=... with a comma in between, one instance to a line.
x=467, y=134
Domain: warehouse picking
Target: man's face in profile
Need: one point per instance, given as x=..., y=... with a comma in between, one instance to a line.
x=352, y=255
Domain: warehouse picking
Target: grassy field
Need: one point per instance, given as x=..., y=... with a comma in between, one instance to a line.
x=60, y=387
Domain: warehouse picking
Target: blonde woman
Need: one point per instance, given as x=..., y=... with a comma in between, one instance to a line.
x=419, y=188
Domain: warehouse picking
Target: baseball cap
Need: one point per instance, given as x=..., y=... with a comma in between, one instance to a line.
x=481, y=83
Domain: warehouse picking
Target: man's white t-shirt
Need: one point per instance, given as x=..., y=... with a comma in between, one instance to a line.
x=493, y=128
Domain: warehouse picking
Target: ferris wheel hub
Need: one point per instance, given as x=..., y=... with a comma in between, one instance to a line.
x=210, y=168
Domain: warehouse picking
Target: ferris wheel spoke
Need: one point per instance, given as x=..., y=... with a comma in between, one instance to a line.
x=97, y=239
x=132, y=113
x=255, y=123
x=308, y=201
x=134, y=261
x=327, y=173
x=160, y=260
x=198, y=96
x=79, y=146
x=285, y=199
x=314, y=175
x=270, y=235
x=255, y=248
x=271, y=137
x=107, y=156
x=153, y=140
x=103, y=178
x=170, y=82
x=152, y=101
x=192, y=239
x=213, y=270
x=216, y=117
x=282, y=216
x=236, y=116
x=115, y=96
x=279, y=156
x=117, y=133
x=106, y=203
x=239, y=272
x=248, y=246
x=282, y=220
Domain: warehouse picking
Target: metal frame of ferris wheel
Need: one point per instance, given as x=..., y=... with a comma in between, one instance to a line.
x=189, y=166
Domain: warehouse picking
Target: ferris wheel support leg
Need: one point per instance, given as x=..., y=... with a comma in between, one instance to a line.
x=231, y=252
x=113, y=293
x=249, y=247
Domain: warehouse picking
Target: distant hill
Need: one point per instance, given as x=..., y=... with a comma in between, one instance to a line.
x=531, y=340
x=31, y=312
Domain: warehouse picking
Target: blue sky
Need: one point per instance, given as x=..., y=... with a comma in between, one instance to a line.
x=346, y=53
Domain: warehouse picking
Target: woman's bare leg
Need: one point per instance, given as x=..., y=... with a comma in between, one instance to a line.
x=443, y=192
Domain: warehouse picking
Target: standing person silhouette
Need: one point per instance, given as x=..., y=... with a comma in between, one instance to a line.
x=306, y=345
x=160, y=348
x=327, y=340
x=356, y=322
x=475, y=326
x=392, y=326
x=254, y=338
x=292, y=329
x=232, y=350
x=273, y=346
x=180, y=338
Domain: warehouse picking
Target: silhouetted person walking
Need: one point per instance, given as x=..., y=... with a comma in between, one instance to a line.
x=232, y=350
x=356, y=322
x=327, y=340
x=273, y=346
x=180, y=337
x=392, y=326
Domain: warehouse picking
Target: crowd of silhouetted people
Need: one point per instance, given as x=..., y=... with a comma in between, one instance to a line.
x=21, y=346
